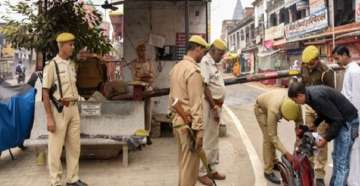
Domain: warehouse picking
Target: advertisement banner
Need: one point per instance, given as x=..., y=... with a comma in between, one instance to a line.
x=315, y=22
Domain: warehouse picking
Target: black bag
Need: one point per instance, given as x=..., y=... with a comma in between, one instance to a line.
x=57, y=103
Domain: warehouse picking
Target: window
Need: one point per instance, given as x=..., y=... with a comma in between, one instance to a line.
x=273, y=19
x=252, y=31
x=247, y=33
x=237, y=39
x=297, y=15
x=344, y=12
x=284, y=16
x=233, y=40
x=242, y=35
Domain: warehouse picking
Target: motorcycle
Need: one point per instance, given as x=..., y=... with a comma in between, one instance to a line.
x=299, y=172
x=21, y=78
x=17, y=108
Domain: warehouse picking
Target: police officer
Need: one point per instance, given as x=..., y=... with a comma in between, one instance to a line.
x=316, y=72
x=270, y=107
x=143, y=70
x=63, y=124
x=214, y=99
x=186, y=85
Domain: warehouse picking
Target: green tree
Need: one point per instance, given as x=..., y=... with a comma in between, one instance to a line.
x=39, y=31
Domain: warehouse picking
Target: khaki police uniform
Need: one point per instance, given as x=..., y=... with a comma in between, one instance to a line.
x=215, y=82
x=186, y=84
x=268, y=113
x=67, y=122
x=139, y=70
x=322, y=75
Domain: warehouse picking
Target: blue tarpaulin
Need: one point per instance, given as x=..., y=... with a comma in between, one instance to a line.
x=17, y=106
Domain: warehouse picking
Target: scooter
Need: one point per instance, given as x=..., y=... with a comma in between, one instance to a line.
x=299, y=172
x=21, y=78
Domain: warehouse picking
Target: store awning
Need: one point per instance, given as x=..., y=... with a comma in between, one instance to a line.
x=351, y=34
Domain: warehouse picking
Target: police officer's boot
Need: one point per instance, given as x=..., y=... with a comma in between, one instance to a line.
x=320, y=182
x=272, y=178
x=78, y=183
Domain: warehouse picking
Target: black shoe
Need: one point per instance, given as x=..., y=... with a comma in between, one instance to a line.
x=148, y=141
x=320, y=182
x=78, y=183
x=276, y=167
x=272, y=178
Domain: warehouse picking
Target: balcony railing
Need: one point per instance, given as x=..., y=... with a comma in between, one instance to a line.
x=274, y=4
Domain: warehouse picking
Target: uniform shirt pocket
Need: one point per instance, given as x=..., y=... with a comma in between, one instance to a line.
x=72, y=75
x=63, y=77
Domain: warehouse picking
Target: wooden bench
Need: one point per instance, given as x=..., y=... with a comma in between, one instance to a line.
x=41, y=144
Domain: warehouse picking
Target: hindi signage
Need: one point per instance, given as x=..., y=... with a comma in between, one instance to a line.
x=315, y=22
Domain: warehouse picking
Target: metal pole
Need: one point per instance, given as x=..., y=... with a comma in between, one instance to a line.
x=39, y=54
x=45, y=12
x=332, y=9
x=207, y=22
x=187, y=20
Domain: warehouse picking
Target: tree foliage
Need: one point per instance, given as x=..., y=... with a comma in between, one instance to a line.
x=39, y=31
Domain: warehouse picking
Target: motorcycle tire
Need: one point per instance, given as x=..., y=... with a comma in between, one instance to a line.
x=286, y=172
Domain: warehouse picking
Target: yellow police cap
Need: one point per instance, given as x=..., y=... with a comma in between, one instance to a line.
x=199, y=40
x=219, y=44
x=310, y=53
x=290, y=110
x=65, y=37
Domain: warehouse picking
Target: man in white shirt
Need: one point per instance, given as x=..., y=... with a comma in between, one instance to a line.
x=351, y=90
x=212, y=106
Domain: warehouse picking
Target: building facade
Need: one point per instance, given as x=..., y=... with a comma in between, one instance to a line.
x=283, y=28
x=242, y=40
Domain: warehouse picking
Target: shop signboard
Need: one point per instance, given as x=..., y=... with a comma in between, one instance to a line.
x=315, y=22
x=275, y=32
x=357, y=11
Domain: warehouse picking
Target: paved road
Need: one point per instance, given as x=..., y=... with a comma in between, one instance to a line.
x=241, y=101
x=156, y=165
